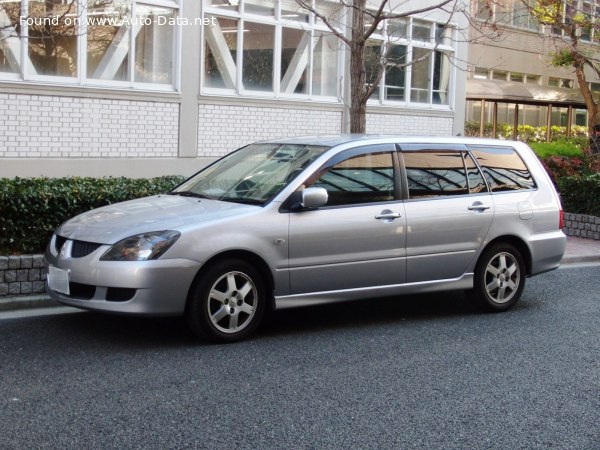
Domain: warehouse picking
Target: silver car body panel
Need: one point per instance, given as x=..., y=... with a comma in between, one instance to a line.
x=327, y=254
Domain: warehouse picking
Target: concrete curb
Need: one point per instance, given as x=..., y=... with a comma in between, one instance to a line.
x=579, y=259
x=15, y=303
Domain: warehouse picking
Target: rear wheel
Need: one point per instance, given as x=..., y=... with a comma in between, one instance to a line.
x=499, y=277
x=228, y=302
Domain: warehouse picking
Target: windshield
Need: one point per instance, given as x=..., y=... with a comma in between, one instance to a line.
x=253, y=174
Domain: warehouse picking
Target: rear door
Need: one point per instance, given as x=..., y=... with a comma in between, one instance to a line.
x=449, y=211
x=358, y=239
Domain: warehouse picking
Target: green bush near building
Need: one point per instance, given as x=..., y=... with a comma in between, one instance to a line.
x=559, y=147
x=581, y=194
x=31, y=208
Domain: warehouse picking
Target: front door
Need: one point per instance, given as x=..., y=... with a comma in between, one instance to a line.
x=358, y=239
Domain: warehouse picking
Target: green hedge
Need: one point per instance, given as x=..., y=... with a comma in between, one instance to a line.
x=31, y=208
x=556, y=148
x=581, y=195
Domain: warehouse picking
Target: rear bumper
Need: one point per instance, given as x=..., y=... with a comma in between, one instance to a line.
x=547, y=250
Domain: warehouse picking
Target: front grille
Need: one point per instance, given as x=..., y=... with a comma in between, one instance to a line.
x=81, y=291
x=59, y=241
x=82, y=248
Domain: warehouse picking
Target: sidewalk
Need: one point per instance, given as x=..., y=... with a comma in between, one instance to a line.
x=578, y=251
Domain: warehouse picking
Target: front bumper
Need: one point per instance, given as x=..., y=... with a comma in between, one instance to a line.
x=152, y=288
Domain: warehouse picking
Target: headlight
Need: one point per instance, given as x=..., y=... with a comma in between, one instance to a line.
x=141, y=247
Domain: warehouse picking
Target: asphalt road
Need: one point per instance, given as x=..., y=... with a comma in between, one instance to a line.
x=417, y=372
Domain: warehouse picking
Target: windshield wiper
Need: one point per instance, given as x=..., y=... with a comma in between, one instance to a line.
x=245, y=201
x=188, y=194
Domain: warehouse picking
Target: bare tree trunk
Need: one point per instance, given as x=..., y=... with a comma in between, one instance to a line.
x=358, y=100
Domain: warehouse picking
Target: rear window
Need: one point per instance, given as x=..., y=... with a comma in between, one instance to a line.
x=503, y=168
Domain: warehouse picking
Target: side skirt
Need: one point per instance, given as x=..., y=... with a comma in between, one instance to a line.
x=317, y=298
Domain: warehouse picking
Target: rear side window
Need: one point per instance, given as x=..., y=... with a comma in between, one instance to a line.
x=441, y=173
x=503, y=168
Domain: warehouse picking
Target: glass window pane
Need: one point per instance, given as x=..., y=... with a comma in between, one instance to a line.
x=220, y=52
x=372, y=63
x=325, y=64
x=421, y=31
x=443, y=34
x=362, y=179
x=475, y=178
x=260, y=7
x=10, y=32
x=290, y=10
x=294, y=60
x=395, y=76
x=441, y=78
x=231, y=5
x=398, y=28
x=484, y=9
x=433, y=174
x=419, y=91
x=53, y=37
x=154, y=45
x=108, y=44
x=257, y=71
x=504, y=170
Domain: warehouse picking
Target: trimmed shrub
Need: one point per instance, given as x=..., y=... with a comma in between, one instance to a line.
x=31, y=208
x=581, y=195
x=556, y=148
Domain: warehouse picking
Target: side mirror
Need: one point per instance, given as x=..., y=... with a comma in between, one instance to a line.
x=313, y=197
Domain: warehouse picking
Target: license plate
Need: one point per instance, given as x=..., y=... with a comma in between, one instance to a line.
x=58, y=280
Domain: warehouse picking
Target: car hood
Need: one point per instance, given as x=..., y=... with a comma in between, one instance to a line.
x=110, y=224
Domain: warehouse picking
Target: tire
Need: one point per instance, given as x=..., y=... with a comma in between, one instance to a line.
x=499, y=278
x=228, y=302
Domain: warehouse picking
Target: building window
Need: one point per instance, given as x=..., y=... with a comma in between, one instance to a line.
x=257, y=57
x=560, y=82
x=126, y=43
x=284, y=51
x=514, y=13
x=580, y=14
x=417, y=65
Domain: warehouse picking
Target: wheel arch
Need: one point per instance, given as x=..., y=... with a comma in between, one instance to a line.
x=516, y=242
x=244, y=255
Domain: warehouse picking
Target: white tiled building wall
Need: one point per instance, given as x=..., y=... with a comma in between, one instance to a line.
x=35, y=126
x=402, y=124
x=223, y=128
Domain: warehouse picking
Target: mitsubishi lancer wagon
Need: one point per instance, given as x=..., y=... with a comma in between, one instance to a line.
x=306, y=221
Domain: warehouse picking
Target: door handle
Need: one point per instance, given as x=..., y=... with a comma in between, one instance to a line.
x=388, y=216
x=479, y=207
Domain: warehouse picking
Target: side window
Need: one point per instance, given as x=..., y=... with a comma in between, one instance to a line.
x=363, y=179
x=436, y=173
x=476, y=181
x=503, y=168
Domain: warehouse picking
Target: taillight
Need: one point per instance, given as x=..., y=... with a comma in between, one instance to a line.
x=561, y=220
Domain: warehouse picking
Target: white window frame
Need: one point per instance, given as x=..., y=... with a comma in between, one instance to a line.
x=26, y=74
x=410, y=45
x=278, y=23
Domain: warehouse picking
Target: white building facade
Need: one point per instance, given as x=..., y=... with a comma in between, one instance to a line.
x=132, y=88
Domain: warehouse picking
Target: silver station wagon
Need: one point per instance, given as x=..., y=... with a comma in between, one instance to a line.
x=304, y=221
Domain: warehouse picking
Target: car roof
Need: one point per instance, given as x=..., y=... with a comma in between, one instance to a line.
x=363, y=139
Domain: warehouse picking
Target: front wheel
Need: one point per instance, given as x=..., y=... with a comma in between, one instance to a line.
x=499, y=277
x=227, y=303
